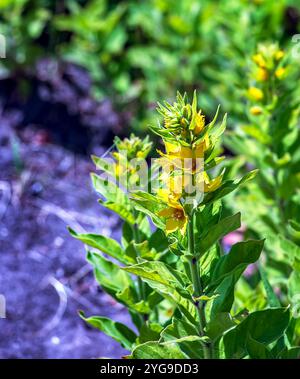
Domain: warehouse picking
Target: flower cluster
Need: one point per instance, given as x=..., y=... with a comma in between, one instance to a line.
x=134, y=146
x=189, y=152
x=268, y=68
x=129, y=150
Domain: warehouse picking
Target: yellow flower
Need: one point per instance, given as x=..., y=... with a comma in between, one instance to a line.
x=255, y=93
x=121, y=165
x=176, y=218
x=168, y=196
x=166, y=165
x=119, y=170
x=141, y=154
x=177, y=154
x=209, y=185
x=173, y=188
x=199, y=123
x=262, y=75
x=256, y=110
x=279, y=55
x=280, y=72
x=259, y=60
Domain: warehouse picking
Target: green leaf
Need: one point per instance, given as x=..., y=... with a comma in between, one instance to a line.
x=215, y=233
x=119, y=332
x=257, y=350
x=236, y=261
x=158, y=241
x=264, y=326
x=208, y=217
x=293, y=353
x=219, y=324
x=214, y=162
x=105, y=244
x=294, y=229
x=144, y=226
x=156, y=350
x=295, y=225
x=271, y=296
x=109, y=190
x=144, y=251
x=207, y=298
x=168, y=282
x=173, y=349
x=131, y=253
x=150, y=205
x=160, y=131
x=208, y=261
x=158, y=272
x=104, y=164
x=282, y=249
x=294, y=286
x=181, y=330
x=123, y=211
x=218, y=130
x=212, y=123
x=149, y=332
x=224, y=301
x=110, y=276
x=257, y=133
x=177, y=329
x=129, y=297
x=127, y=234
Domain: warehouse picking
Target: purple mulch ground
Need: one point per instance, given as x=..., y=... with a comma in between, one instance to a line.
x=43, y=273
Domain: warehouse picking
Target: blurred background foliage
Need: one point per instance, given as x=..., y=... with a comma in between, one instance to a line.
x=101, y=66
x=139, y=52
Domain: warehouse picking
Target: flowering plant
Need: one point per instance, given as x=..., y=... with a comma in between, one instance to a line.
x=176, y=280
x=269, y=140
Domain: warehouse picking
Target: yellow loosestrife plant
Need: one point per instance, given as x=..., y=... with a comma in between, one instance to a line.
x=269, y=139
x=176, y=281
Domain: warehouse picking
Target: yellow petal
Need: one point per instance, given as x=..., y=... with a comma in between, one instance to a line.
x=172, y=225
x=175, y=185
x=182, y=224
x=167, y=212
x=169, y=197
x=256, y=110
x=280, y=72
x=201, y=147
x=213, y=184
x=262, y=75
x=185, y=152
x=255, y=93
x=171, y=147
x=279, y=55
x=163, y=194
x=199, y=123
x=259, y=60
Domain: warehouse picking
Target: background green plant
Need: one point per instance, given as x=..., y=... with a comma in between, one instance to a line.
x=137, y=52
x=270, y=142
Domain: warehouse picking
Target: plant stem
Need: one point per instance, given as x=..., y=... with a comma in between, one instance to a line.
x=195, y=274
x=280, y=205
x=141, y=284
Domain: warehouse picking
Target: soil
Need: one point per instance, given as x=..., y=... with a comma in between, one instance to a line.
x=43, y=273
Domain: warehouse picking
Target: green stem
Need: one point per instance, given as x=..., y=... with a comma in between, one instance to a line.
x=195, y=274
x=280, y=205
x=141, y=284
